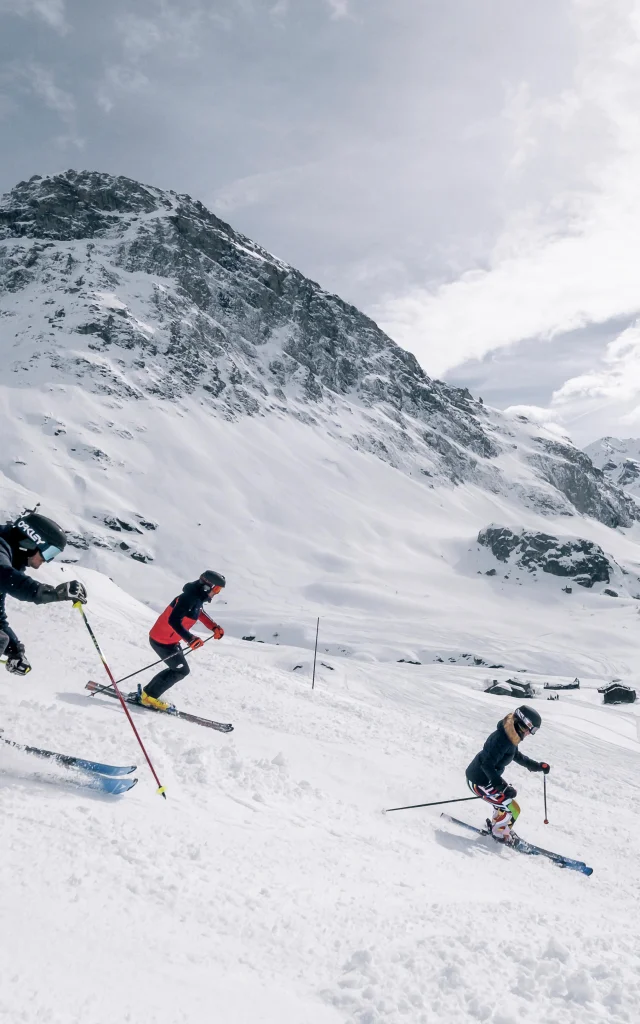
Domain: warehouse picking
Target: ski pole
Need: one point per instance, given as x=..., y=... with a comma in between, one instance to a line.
x=183, y=650
x=544, y=781
x=78, y=605
x=434, y=803
x=315, y=655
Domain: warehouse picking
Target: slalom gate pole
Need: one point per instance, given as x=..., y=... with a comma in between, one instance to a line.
x=78, y=605
x=183, y=650
x=544, y=781
x=434, y=803
x=315, y=654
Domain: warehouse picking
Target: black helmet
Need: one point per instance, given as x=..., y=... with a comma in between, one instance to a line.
x=211, y=579
x=526, y=719
x=37, y=533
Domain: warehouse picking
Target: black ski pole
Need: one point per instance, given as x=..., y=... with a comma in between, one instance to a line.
x=434, y=803
x=315, y=654
x=544, y=780
x=183, y=650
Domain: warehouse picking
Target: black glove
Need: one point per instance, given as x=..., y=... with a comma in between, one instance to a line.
x=510, y=792
x=71, y=591
x=16, y=661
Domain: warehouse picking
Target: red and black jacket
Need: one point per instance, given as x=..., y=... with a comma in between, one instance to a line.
x=183, y=612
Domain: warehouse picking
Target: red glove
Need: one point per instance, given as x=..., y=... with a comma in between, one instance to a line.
x=218, y=631
x=195, y=643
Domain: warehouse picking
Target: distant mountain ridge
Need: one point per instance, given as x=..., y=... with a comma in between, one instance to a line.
x=619, y=461
x=136, y=294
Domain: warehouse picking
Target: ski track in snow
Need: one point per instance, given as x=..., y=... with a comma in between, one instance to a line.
x=269, y=887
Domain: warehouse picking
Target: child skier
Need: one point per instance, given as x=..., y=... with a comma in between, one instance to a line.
x=172, y=627
x=484, y=774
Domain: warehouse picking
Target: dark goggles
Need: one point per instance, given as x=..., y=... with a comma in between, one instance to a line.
x=527, y=724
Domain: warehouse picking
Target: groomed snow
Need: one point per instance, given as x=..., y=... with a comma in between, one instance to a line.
x=269, y=887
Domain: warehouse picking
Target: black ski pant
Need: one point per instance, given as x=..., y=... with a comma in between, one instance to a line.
x=176, y=668
x=5, y=641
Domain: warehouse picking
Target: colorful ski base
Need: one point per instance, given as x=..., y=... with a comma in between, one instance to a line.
x=107, y=784
x=522, y=846
x=68, y=761
x=108, y=691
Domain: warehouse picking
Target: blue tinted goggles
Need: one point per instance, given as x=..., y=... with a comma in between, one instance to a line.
x=48, y=552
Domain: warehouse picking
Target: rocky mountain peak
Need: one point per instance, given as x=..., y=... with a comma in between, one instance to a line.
x=139, y=293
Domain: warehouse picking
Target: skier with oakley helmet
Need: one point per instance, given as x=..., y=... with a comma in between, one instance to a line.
x=484, y=774
x=174, y=625
x=28, y=543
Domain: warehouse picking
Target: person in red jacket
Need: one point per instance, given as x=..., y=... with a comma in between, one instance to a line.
x=173, y=626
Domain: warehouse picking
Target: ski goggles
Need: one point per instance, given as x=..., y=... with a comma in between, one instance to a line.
x=215, y=590
x=527, y=724
x=48, y=552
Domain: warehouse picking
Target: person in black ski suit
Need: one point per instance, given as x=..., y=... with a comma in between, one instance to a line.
x=28, y=543
x=484, y=774
x=173, y=626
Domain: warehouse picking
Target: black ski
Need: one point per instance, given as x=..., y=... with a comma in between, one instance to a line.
x=522, y=846
x=184, y=715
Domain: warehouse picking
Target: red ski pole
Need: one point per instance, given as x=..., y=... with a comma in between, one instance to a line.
x=544, y=779
x=78, y=605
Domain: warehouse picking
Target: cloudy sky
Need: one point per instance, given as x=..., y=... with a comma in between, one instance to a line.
x=463, y=170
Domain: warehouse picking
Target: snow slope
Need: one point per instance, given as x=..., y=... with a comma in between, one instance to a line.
x=269, y=887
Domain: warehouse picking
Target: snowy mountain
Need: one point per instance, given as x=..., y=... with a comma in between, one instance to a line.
x=171, y=387
x=619, y=461
x=179, y=399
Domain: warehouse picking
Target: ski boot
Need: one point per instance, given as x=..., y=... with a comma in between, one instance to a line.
x=154, y=703
x=499, y=827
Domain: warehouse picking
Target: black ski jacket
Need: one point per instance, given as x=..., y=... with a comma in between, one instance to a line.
x=13, y=581
x=500, y=749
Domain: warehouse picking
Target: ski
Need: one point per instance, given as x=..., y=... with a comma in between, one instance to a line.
x=522, y=846
x=108, y=784
x=68, y=761
x=108, y=691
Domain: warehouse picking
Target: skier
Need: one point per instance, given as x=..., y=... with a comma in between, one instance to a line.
x=28, y=543
x=174, y=625
x=484, y=774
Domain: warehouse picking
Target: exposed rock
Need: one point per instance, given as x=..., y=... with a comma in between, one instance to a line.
x=582, y=560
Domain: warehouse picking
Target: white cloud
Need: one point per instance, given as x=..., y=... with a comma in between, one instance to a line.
x=604, y=400
x=51, y=11
x=139, y=35
x=339, y=8
x=40, y=82
x=43, y=84
x=119, y=81
x=178, y=26
x=570, y=257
